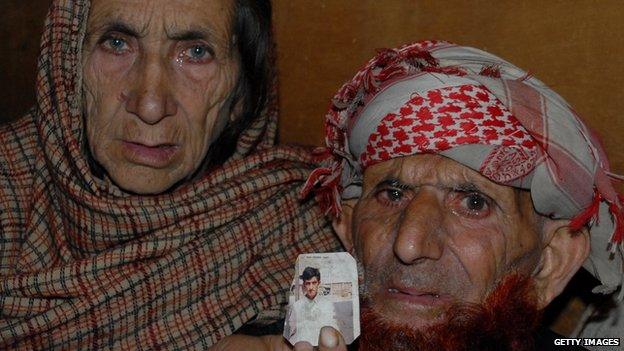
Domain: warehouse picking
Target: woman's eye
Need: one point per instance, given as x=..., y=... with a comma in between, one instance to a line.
x=116, y=45
x=197, y=53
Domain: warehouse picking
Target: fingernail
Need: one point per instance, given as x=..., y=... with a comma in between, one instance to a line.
x=328, y=337
x=303, y=346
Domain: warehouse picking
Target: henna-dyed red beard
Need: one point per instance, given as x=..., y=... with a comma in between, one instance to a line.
x=506, y=321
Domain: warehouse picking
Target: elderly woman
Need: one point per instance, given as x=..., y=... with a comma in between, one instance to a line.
x=142, y=204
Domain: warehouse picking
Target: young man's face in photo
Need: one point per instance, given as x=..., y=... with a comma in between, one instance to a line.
x=310, y=287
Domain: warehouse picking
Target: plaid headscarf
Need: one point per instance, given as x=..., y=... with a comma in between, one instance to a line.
x=84, y=265
x=485, y=113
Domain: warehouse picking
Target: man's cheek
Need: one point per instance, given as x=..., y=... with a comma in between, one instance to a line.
x=478, y=258
x=374, y=241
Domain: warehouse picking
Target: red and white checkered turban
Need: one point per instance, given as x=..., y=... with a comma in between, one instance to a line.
x=485, y=113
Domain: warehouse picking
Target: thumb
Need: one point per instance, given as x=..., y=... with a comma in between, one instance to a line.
x=331, y=340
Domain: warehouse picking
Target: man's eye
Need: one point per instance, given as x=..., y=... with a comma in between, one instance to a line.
x=394, y=195
x=391, y=195
x=197, y=53
x=473, y=205
x=475, y=202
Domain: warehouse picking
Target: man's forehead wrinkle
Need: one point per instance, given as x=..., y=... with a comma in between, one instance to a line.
x=375, y=174
x=440, y=172
x=441, y=175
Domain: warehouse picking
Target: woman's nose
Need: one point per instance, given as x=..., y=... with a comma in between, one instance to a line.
x=150, y=98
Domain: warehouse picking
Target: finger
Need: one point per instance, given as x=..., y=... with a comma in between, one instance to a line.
x=331, y=340
x=303, y=346
x=277, y=343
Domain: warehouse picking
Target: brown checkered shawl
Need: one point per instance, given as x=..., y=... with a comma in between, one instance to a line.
x=85, y=266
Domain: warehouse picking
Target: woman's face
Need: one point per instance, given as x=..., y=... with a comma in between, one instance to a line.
x=156, y=73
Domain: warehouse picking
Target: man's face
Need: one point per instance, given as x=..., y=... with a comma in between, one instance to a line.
x=431, y=232
x=156, y=75
x=310, y=287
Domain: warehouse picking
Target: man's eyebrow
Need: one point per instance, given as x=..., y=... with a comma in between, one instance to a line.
x=467, y=188
x=394, y=183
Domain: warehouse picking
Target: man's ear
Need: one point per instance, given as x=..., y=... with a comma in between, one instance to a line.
x=563, y=254
x=342, y=224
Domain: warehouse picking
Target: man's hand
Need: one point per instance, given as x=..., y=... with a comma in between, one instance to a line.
x=329, y=340
x=255, y=343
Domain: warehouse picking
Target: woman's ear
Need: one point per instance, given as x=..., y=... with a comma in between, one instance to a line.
x=563, y=255
x=342, y=224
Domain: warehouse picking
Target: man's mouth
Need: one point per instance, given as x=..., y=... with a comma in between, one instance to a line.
x=156, y=155
x=416, y=296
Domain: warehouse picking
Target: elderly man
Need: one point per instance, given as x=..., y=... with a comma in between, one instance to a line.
x=470, y=194
x=142, y=196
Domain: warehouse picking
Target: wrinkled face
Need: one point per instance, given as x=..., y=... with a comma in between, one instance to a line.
x=156, y=74
x=430, y=231
x=310, y=287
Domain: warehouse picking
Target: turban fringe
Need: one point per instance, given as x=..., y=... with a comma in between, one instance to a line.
x=379, y=115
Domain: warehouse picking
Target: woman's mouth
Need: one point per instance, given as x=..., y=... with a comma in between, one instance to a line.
x=157, y=155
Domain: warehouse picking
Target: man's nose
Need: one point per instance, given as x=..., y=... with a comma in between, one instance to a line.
x=150, y=98
x=421, y=233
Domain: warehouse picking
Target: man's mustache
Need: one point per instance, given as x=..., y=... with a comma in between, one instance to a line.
x=425, y=276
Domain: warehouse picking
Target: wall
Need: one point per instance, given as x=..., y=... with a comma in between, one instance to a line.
x=21, y=24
